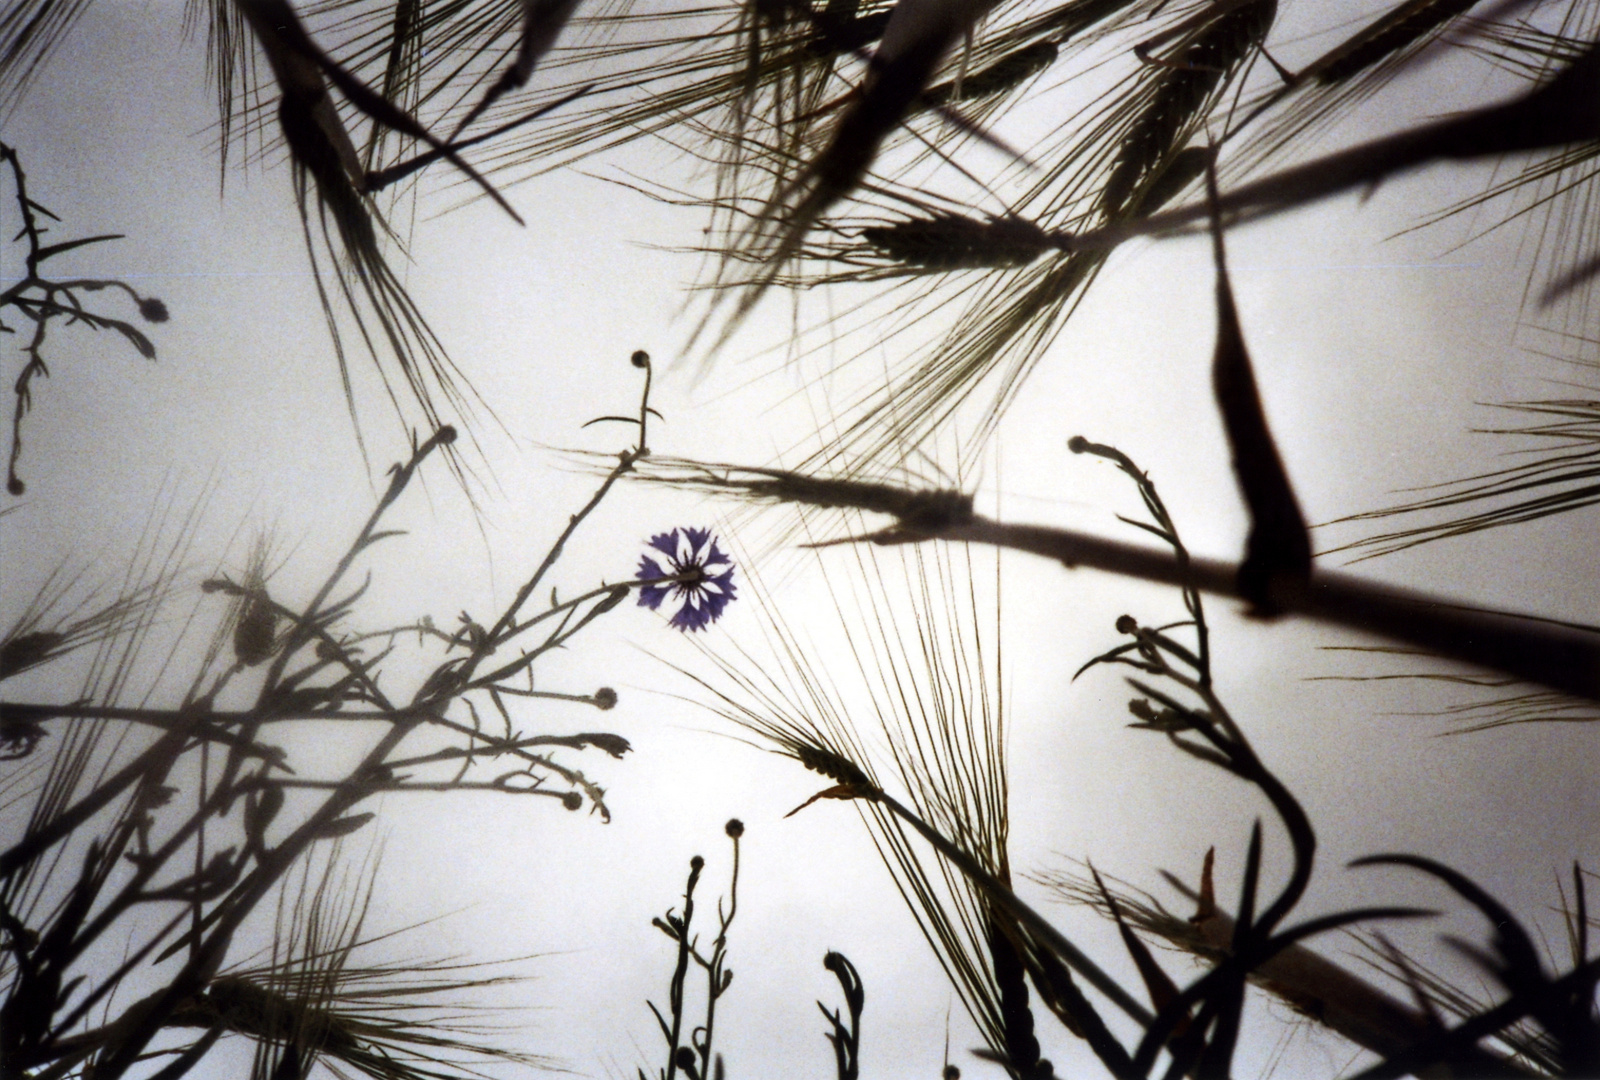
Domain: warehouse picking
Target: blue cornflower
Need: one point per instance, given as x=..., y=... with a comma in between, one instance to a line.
x=705, y=576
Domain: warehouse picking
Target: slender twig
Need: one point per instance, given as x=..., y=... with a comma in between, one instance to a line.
x=39, y=299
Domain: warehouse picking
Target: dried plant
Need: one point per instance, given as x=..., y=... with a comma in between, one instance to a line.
x=43, y=300
x=694, y=1056
x=158, y=831
x=840, y=144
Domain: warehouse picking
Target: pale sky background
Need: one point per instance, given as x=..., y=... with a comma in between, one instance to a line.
x=1372, y=354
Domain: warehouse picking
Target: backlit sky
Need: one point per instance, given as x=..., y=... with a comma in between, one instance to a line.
x=1372, y=353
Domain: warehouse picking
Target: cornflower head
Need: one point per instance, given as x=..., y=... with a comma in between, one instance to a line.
x=699, y=576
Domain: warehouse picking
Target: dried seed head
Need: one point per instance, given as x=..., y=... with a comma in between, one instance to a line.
x=1185, y=167
x=641, y=358
x=27, y=650
x=833, y=767
x=572, y=800
x=153, y=310
x=1005, y=74
x=1396, y=30
x=615, y=745
x=955, y=242
x=255, y=632
x=734, y=828
x=697, y=864
x=1126, y=624
x=605, y=698
x=931, y=511
x=1182, y=96
x=271, y=1015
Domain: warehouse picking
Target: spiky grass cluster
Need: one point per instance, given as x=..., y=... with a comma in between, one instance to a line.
x=929, y=676
x=1556, y=474
x=946, y=751
x=1152, y=87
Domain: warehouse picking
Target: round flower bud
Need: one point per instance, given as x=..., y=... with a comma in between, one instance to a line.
x=734, y=828
x=153, y=310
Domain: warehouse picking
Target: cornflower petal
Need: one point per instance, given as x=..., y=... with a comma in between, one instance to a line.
x=697, y=539
x=701, y=592
x=651, y=595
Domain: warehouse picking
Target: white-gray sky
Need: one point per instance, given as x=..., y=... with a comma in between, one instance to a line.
x=1372, y=353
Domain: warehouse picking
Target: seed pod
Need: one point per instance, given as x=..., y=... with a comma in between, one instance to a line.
x=955, y=242
x=343, y=826
x=1005, y=74
x=1181, y=94
x=27, y=650
x=273, y=1016
x=615, y=745
x=834, y=767
x=1183, y=169
x=1401, y=27
x=259, y=813
x=254, y=633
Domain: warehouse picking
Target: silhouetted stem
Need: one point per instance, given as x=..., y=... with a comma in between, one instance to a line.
x=1561, y=656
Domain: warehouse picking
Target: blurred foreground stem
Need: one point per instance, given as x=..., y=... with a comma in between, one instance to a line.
x=1562, y=656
